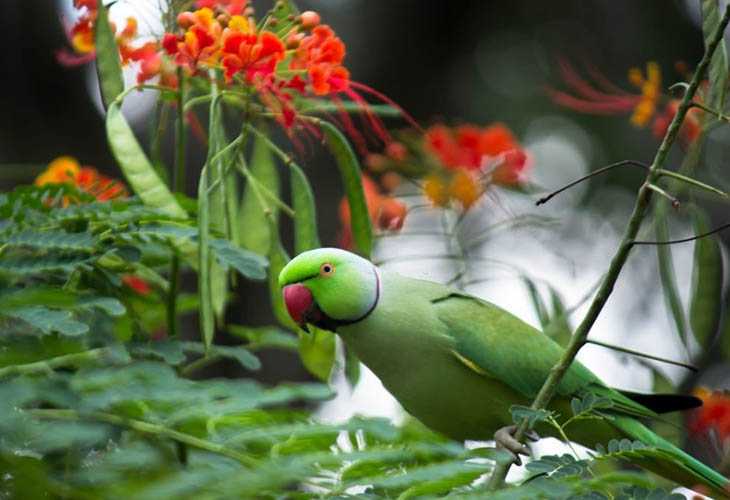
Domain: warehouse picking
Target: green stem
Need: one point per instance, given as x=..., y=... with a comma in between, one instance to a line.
x=48, y=365
x=619, y=259
x=178, y=187
x=691, y=181
x=145, y=428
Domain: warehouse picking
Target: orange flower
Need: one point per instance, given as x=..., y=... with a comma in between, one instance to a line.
x=243, y=50
x=199, y=44
x=714, y=414
x=321, y=54
x=462, y=186
x=386, y=213
x=67, y=169
x=650, y=91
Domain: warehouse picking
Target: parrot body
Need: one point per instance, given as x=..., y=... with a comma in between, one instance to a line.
x=458, y=363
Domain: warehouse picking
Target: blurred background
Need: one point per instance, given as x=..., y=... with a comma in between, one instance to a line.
x=457, y=62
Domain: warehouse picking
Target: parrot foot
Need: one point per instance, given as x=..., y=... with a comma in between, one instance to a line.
x=505, y=440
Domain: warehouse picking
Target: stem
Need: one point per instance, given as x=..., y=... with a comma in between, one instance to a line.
x=178, y=187
x=643, y=355
x=619, y=259
x=692, y=181
x=48, y=365
x=145, y=428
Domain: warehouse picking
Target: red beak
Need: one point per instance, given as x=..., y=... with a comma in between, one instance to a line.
x=299, y=302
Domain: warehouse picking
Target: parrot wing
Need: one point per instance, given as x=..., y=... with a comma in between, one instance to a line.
x=494, y=343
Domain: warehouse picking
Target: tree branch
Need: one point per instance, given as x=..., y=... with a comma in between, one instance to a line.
x=619, y=259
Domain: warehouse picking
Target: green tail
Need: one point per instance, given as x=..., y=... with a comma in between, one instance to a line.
x=668, y=461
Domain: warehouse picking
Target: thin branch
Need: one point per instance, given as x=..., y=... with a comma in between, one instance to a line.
x=683, y=240
x=601, y=170
x=718, y=114
x=145, y=428
x=48, y=365
x=692, y=181
x=643, y=355
x=619, y=259
x=674, y=201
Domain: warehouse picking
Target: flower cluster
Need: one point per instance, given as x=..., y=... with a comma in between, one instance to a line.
x=713, y=415
x=456, y=164
x=605, y=98
x=386, y=213
x=88, y=179
x=283, y=56
x=145, y=53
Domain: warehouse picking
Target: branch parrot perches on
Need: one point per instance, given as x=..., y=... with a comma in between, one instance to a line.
x=458, y=363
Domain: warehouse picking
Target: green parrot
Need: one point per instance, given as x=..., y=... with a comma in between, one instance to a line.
x=457, y=362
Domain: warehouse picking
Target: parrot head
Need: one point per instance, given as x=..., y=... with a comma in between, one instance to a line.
x=329, y=287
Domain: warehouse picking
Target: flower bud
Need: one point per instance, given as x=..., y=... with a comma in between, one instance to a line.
x=309, y=19
x=185, y=19
x=293, y=40
x=396, y=151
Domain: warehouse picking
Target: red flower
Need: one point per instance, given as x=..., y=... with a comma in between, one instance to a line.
x=230, y=7
x=714, y=414
x=136, y=283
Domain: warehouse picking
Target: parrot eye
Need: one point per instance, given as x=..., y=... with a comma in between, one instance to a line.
x=326, y=270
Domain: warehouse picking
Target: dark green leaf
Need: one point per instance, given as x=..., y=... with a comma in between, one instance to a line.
x=362, y=233
x=108, y=65
x=49, y=320
x=244, y=357
x=352, y=367
x=249, y=264
x=265, y=337
x=520, y=413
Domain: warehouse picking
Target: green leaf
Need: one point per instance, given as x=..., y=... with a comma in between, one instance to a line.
x=244, y=357
x=249, y=264
x=558, y=328
x=520, y=413
x=362, y=233
x=207, y=323
x=668, y=277
x=108, y=65
x=52, y=239
x=265, y=337
x=305, y=213
x=537, y=302
x=705, y=307
x=49, y=320
x=317, y=351
x=253, y=224
x=136, y=167
x=170, y=351
x=718, y=71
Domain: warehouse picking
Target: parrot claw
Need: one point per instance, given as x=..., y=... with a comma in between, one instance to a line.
x=504, y=439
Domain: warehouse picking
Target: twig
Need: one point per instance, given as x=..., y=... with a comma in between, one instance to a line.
x=48, y=365
x=683, y=240
x=643, y=355
x=619, y=259
x=601, y=170
x=674, y=201
x=145, y=428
